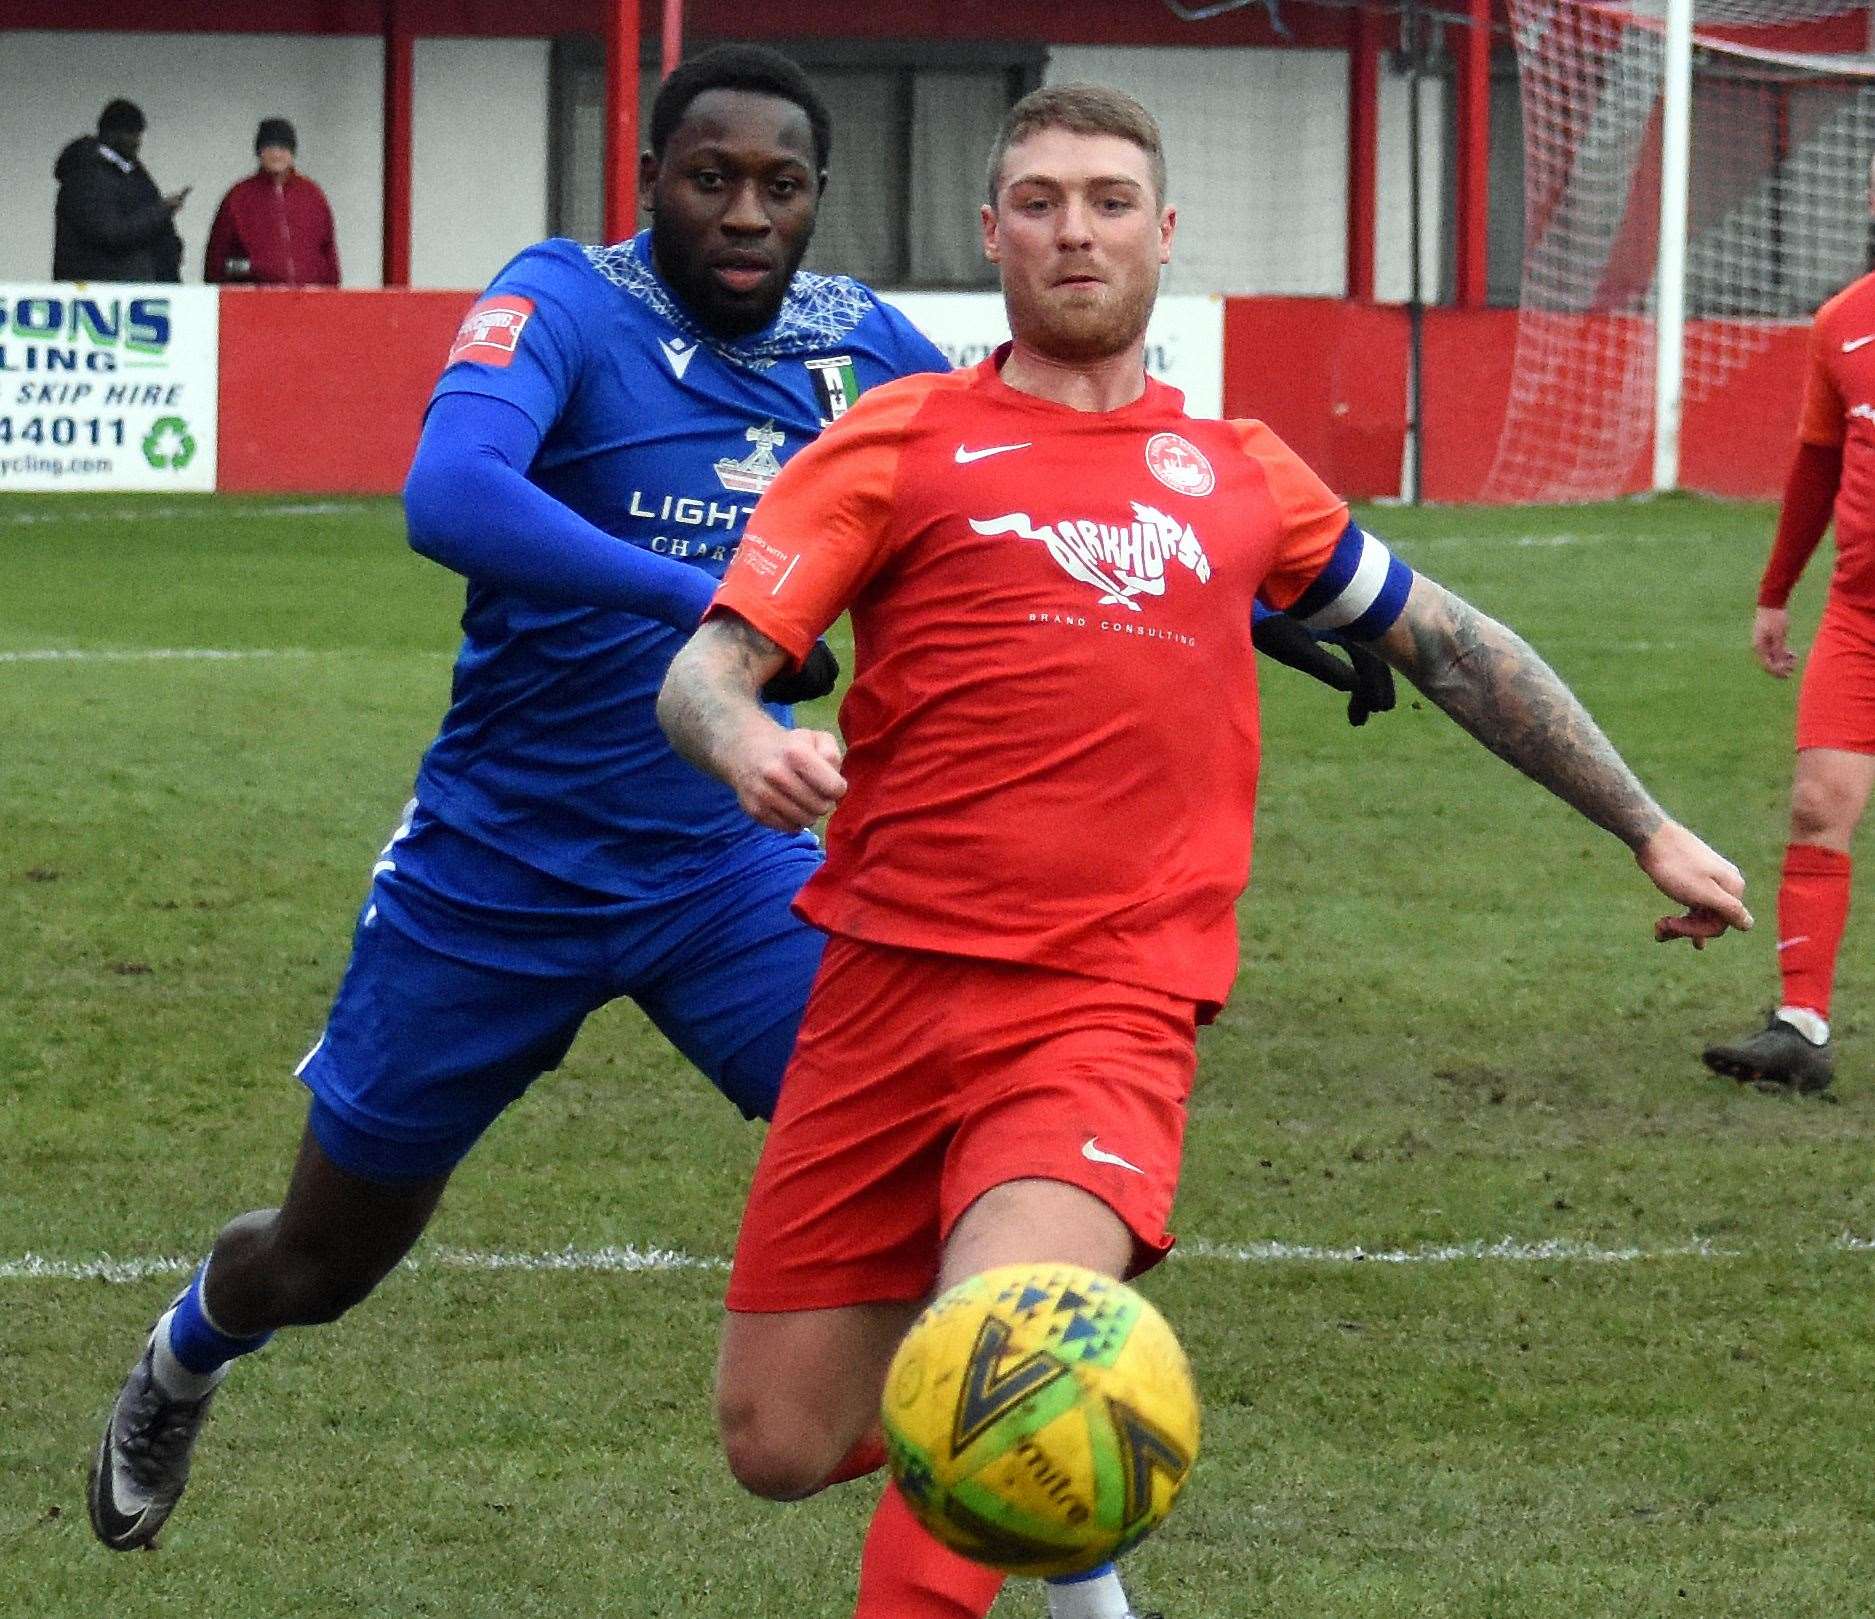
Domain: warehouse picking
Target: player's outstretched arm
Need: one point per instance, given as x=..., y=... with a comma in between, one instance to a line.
x=709, y=709
x=1490, y=681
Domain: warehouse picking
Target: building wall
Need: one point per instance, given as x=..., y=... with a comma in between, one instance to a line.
x=1110, y=22
x=478, y=170
x=1256, y=141
x=1393, y=190
x=1256, y=213
x=1257, y=148
x=204, y=93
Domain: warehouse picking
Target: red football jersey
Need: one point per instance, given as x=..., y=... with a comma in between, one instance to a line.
x=1052, y=727
x=1839, y=409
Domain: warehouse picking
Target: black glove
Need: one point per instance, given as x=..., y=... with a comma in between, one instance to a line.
x=816, y=677
x=1365, y=677
x=1373, y=683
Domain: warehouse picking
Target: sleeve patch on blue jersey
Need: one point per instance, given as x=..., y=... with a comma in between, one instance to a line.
x=1360, y=590
x=491, y=331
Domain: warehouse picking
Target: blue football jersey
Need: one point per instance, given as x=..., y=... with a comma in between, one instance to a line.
x=665, y=436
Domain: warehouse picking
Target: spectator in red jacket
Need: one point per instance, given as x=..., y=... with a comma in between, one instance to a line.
x=274, y=227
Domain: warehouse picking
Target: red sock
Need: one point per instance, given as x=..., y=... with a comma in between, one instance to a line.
x=1812, y=905
x=905, y=1574
x=868, y=1456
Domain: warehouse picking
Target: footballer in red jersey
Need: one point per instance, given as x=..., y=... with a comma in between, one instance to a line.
x=1833, y=474
x=1044, y=808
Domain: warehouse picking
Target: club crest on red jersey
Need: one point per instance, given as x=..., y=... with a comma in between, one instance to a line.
x=491, y=331
x=1121, y=561
x=1179, y=464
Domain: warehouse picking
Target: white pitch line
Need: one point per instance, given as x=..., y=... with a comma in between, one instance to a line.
x=32, y=1267
x=149, y=654
x=628, y=1259
x=196, y=654
x=631, y=1259
x=148, y=514
x=35, y=1268
x=1544, y=540
x=1507, y=1249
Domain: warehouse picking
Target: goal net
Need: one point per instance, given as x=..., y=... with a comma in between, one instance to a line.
x=1783, y=130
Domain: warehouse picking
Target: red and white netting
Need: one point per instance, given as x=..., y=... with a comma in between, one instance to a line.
x=1783, y=130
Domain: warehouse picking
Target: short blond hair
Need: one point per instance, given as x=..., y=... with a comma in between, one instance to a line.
x=1081, y=109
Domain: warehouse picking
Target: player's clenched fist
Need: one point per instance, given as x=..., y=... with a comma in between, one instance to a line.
x=708, y=707
x=1770, y=640
x=1710, y=887
x=790, y=779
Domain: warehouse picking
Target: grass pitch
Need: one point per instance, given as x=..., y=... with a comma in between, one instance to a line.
x=1611, y=1356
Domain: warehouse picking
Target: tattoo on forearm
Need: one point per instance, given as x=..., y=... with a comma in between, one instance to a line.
x=709, y=696
x=1491, y=682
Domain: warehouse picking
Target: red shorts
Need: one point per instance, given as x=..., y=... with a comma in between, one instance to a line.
x=1836, y=705
x=920, y=1082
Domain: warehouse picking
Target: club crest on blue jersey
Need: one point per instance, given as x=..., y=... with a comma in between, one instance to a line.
x=838, y=384
x=759, y=468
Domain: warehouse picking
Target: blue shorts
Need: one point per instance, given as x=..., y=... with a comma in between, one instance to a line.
x=452, y=1006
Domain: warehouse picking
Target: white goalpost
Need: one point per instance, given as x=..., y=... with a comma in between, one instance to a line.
x=1676, y=130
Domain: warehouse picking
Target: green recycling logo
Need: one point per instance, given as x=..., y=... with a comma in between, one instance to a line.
x=169, y=443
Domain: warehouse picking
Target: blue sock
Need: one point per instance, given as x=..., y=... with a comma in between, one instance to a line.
x=195, y=1340
x=1090, y=1574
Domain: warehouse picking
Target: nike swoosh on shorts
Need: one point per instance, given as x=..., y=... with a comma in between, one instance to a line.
x=1098, y=1155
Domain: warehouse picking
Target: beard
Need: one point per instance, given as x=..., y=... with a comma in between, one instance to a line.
x=680, y=261
x=1080, y=330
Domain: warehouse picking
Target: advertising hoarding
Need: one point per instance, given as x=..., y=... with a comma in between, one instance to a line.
x=107, y=387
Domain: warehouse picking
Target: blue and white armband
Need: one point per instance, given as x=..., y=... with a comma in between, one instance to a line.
x=1360, y=590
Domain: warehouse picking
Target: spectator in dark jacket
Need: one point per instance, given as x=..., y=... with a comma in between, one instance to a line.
x=274, y=227
x=111, y=223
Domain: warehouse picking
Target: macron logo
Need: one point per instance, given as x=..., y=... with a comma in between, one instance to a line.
x=1098, y=1155
x=965, y=457
x=680, y=354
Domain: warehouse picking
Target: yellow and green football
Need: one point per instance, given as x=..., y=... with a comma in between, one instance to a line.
x=1040, y=1418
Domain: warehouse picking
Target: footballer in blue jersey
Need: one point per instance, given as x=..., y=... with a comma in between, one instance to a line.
x=662, y=436
x=605, y=423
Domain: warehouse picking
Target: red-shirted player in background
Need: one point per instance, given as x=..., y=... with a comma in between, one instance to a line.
x=1046, y=795
x=1834, y=471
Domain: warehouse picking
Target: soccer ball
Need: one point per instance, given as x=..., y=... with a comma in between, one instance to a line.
x=1040, y=1418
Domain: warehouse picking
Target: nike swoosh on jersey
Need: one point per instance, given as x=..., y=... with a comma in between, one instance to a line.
x=1855, y=343
x=965, y=457
x=1098, y=1155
